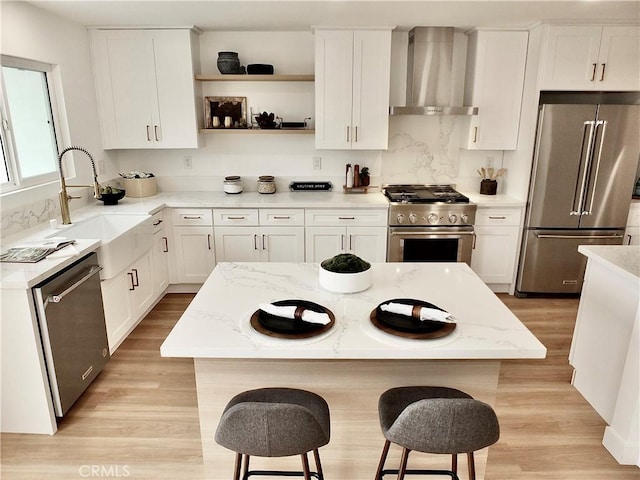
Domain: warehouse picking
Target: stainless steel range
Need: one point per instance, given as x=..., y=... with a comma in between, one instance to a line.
x=429, y=223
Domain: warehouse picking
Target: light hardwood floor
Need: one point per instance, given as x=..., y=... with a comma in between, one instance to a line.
x=139, y=419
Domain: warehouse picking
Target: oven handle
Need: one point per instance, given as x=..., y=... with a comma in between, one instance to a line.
x=406, y=234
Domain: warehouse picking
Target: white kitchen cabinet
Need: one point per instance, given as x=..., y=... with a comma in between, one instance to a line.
x=160, y=255
x=145, y=87
x=126, y=298
x=495, y=80
x=265, y=235
x=632, y=232
x=579, y=57
x=353, y=71
x=497, y=233
x=193, y=246
x=329, y=232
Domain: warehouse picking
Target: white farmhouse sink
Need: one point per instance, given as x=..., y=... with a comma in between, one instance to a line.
x=124, y=238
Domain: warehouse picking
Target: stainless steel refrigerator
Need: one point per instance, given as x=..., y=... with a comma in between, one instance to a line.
x=585, y=159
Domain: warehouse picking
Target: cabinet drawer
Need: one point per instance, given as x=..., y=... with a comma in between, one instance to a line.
x=282, y=216
x=346, y=217
x=157, y=220
x=235, y=216
x=191, y=216
x=498, y=216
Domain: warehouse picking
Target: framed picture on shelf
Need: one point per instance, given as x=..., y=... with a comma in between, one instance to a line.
x=225, y=112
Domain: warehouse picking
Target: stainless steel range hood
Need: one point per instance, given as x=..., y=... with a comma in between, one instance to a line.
x=430, y=74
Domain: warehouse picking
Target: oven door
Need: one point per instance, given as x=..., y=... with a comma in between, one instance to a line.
x=430, y=244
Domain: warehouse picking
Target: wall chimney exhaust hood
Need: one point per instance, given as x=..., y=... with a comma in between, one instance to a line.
x=430, y=74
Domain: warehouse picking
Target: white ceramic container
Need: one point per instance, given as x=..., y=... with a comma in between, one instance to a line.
x=344, y=282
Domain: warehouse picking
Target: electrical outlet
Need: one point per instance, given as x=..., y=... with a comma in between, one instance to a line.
x=317, y=163
x=490, y=161
x=187, y=161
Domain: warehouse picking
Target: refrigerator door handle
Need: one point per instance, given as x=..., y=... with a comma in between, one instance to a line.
x=577, y=237
x=599, y=123
x=578, y=207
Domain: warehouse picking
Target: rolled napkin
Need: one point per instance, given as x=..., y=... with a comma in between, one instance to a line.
x=295, y=312
x=418, y=312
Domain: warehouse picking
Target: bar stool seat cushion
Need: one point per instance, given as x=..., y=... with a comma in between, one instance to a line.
x=437, y=420
x=274, y=422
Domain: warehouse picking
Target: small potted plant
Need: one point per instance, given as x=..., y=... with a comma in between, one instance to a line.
x=364, y=177
x=345, y=273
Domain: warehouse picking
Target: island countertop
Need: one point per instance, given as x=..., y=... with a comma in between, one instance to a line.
x=216, y=323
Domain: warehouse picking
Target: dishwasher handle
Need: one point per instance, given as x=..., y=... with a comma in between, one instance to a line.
x=57, y=298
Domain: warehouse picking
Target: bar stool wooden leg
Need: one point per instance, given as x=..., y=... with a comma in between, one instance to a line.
x=472, y=466
x=236, y=470
x=246, y=467
x=316, y=456
x=403, y=463
x=383, y=459
x=454, y=463
x=305, y=467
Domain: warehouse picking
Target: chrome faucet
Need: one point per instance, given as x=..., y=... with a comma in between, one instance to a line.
x=63, y=196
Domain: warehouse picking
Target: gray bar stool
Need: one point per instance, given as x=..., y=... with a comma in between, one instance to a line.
x=434, y=420
x=275, y=422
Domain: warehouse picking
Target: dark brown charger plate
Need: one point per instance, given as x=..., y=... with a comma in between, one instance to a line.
x=408, y=327
x=280, y=327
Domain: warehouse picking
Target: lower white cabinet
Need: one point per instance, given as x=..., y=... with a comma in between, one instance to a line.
x=126, y=298
x=192, y=248
x=259, y=244
x=160, y=255
x=332, y=231
x=497, y=233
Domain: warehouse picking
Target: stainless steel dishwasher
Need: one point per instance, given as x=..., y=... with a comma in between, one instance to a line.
x=73, y=330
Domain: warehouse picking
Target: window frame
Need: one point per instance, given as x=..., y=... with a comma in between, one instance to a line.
x=16, y=182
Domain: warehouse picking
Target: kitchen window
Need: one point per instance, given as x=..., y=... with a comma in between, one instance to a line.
x=28, y=133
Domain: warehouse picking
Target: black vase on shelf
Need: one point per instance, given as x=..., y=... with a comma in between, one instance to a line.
x=228, y=62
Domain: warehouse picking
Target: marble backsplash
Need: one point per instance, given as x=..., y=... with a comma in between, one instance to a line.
x=25, y=217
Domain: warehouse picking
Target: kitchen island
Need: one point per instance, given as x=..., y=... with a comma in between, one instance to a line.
x=351, y=364
x=606, y=344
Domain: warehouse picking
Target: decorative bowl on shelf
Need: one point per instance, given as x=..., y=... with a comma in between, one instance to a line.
x=345, y=273
x=267, y=121
x=110, y=195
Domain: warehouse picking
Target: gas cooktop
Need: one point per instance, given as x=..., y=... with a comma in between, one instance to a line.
x=424, y=194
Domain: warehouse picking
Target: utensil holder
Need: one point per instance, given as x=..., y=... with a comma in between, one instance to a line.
x=488, y=187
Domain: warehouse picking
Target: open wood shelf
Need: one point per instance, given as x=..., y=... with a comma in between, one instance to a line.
x=254, y=78
x=258, y=131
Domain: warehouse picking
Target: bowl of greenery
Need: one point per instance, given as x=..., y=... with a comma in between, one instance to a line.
x=345, y=273
x=110, y=195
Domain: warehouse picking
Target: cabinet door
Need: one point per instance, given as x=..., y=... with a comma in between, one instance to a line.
x=282, y=244
x=194, y=254
x=143, y=293
x=369, y=243
x=117, y=307
x=324, y=242
x=121, y=70
x=237, y=244
x=160, y=262
x=619, y=58
x=371, y=83
x=333, y=88
x=494, y=255
x=498, y=60
x=175, y=123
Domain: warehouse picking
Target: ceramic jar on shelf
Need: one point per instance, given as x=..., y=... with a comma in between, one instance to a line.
x=266, y=184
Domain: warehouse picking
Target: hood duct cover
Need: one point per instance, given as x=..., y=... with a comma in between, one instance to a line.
x=430, y=74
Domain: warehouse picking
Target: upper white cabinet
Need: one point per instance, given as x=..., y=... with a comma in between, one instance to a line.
x=591, y=58
x=145, y=87
x=352, y=69
x=495, y=80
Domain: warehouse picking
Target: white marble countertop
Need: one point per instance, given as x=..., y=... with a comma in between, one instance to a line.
x=623, y=259
x=216, y=323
